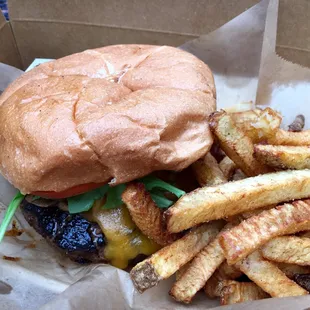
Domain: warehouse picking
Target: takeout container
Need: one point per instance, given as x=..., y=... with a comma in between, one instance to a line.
x=262, y=55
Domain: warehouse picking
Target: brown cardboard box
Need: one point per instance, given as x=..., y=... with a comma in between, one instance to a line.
x=52, y=29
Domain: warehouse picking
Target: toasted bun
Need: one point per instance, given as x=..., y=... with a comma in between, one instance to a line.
x=111, y=114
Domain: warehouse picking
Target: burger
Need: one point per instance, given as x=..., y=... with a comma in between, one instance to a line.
x=74, y=132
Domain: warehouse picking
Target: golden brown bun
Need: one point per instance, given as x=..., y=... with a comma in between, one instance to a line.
x=113, y=113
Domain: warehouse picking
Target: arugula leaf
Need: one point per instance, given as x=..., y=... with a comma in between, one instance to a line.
x=14, y=204
x=35, y=198
x=84, y=202
x=161, y=201
x=114, y=197
x=156, y=186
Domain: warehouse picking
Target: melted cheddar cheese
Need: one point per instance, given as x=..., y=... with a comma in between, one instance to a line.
x=124, y=240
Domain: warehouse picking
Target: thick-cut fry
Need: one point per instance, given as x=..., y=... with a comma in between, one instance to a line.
x=145, y=214
x=303, y=280
x=298, y=124
x=283, y=137
x=291, y=269
x=208, y=172
x=181, y=271
x=269, y=277
x=213, y=286
x=288, y=249
x=235, y=292
x=238, y=175
x=210, y=203
x=228, y=167
x=250, y=234
x=260, y=127
x=283, y=157
x=199, y=271
x=236, y=144
x=169, y=259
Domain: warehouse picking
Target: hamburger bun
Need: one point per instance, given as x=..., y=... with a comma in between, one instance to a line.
x=111, y=114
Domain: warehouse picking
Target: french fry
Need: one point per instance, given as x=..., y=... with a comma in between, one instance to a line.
x=260, y=127
x=288, y=249
x=249, y=214
x=238, y=175
x=199, y=271
x=146, y=215
x=236, y=292
x=283, y=157
x=303, y=280
x=208, y=172
x=298, y=124
x=291, y=269
x=181, y=271
x=228, y=167
x=221, y=201
x=269, y=277
x=245, y=238
x=165, y=262
x=283, y=137
x=236, y=144
x=213, y=286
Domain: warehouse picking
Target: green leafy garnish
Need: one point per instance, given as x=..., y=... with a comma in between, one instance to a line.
x=161, y=201
x=114, y=197
x=84, y=202
x=14, y=204
x=34, y=198
x=151, y=183
x=157, y=189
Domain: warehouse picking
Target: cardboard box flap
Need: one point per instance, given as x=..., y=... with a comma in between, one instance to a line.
x=52, y=29
x=293, y=40
x=8, y=50
x=189, y=17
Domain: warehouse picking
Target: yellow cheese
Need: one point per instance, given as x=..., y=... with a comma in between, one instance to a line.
x=124, y=240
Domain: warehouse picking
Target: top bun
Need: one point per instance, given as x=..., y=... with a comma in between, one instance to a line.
x=111, y=114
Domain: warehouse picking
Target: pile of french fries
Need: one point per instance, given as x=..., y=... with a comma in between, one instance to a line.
x=245, y=233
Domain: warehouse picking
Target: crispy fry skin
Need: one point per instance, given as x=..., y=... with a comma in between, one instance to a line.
x=181, y=271
x=236, y=144
x=283, y=157
x=252, y=233
x=235, y=292
x=208, y=172
x=145, y=214
x=298, y=124
x=228, y=167
x=238, y=175
x=288, y=249
x=260, y=127
x=291, y=269
x=199, y=271
x=169, y=259
x=283, y=137
x=269, y=277
x=213, y=286
x=210, y=203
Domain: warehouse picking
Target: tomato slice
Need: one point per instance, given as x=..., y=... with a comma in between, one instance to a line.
x=73, y=191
